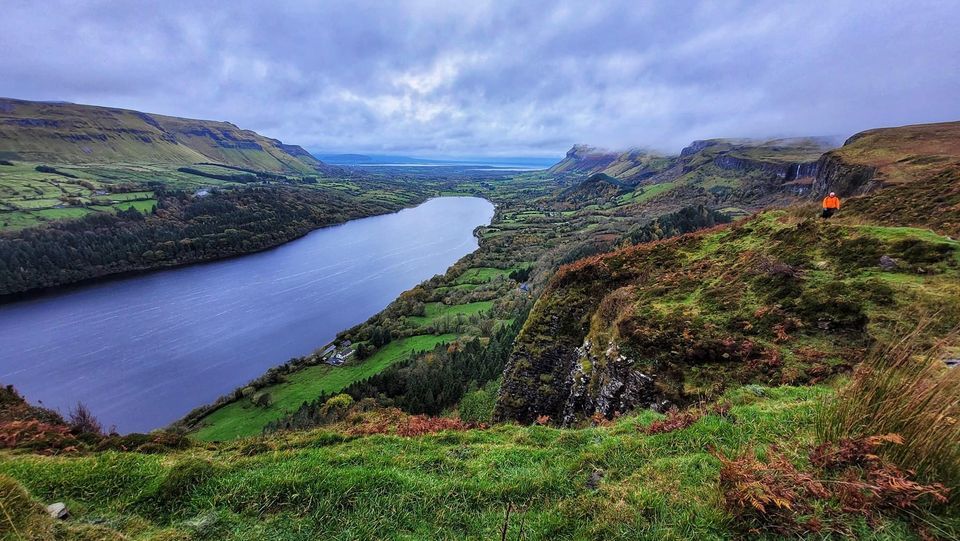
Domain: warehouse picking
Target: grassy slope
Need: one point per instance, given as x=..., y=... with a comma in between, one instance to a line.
x=95, y=148
x=906, y=153
x=71, y=133
x=741, y=303
x=434, y=311
x=242, y=419
x=452, y=485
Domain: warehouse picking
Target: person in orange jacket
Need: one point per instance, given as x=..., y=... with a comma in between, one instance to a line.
x=831, y=204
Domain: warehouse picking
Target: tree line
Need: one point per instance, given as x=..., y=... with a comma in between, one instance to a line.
x=182, y=229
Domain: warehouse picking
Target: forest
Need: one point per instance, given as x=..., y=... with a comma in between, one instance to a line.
x=182, y=228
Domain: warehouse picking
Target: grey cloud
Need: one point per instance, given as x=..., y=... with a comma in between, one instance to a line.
x=504, y=77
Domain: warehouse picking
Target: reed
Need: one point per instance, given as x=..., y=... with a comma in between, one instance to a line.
x=906, y=389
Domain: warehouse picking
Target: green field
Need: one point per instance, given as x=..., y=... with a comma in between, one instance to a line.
x=29, y=197
x=241, y=418
x=436, y=310
x=481, y=275
x=643, y=194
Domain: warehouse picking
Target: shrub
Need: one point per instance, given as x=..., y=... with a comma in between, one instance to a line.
x=37, y=436
x=904, y=389
x=678, y=420
x=262, y=399
x=340, y=401
x=82, y=421
x=846, y=479
x=477, y=407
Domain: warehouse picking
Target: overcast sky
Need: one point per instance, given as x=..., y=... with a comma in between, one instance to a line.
x=495, y=78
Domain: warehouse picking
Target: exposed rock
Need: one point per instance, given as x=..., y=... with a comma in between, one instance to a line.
x=835, y=175
x=58, y=511
x=593, y=482
x=619, y=387
x=888, y=263
x=697, y=146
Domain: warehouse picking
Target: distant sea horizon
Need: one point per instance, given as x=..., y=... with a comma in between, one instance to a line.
x=520, y=163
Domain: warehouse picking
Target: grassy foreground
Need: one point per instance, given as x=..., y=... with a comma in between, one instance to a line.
x=612, y=482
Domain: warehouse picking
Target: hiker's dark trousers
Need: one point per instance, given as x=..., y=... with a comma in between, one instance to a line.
x=828, y=213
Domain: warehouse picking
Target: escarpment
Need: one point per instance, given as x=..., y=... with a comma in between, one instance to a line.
x=846, y=179
x=779, y=298
x=73, y=133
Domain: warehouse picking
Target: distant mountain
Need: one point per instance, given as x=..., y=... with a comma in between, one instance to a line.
x=55, y=132
x=480, y=161
x=631, y=165
x=346, y=159
x=636, y=165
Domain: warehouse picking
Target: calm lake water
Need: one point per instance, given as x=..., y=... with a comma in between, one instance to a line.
x=143, y=351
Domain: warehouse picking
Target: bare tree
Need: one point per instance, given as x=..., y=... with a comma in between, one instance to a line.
x=82, y=420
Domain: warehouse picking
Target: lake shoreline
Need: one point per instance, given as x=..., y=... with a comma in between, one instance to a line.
x=109, y=342
x=41, y=292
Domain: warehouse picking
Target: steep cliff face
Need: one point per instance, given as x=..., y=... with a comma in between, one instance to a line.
x=69, y=133
x=846, y=179
x=889, y=157
x=628, y=166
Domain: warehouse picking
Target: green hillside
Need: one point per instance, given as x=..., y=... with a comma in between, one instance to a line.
x=777, y=377
x=66, y=133
x=780, y=297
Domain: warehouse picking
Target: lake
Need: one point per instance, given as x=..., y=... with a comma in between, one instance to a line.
x=142, y=351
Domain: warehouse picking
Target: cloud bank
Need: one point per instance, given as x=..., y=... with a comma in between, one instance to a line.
x=495, y=78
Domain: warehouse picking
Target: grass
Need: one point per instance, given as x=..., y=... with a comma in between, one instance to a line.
x=434, y=311
x=480, y=275
x=449, y=485
x=645, y=193
x=904, y=389
x=242, y=418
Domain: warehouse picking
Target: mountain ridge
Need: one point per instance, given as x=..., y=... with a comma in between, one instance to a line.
x=60, y=132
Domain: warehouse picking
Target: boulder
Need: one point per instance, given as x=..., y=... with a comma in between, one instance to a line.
x=58, y=511
x=888, y=263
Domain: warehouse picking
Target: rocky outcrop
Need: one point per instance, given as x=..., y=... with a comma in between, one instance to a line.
x=835, y=175
x=584, y=159
x=697, y=146
x=612, y=386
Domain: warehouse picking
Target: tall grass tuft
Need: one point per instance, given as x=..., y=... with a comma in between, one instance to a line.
x=906, y=389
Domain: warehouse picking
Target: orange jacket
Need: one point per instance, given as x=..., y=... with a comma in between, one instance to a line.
x=831, y=202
